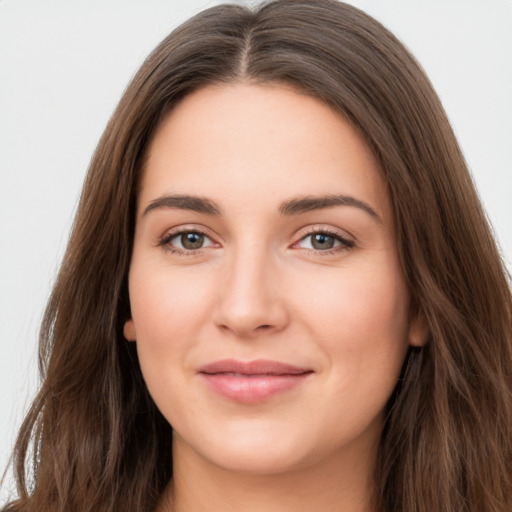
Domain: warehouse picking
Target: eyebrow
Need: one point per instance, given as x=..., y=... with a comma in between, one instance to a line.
x=184, y=202
x=291, y=207
x=310, y=203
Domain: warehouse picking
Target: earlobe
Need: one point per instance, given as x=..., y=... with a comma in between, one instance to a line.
x=418, y=329
x=129, y=330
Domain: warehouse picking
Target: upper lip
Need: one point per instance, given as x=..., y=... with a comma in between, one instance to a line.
x=257, y=367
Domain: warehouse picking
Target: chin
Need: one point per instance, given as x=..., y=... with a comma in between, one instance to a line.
x=261, y=461
x=257, y=450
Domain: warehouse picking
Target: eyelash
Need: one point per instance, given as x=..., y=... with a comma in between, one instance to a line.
x=345, y=244
x=165, y=242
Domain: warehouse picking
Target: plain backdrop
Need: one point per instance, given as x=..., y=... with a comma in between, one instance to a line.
x=64, y=65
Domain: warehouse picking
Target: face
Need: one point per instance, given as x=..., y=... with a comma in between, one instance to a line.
x=268, y=303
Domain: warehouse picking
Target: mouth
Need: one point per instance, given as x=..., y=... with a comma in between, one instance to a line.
x=253, y=381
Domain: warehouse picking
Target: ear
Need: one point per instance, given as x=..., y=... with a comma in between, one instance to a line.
x=129, y=330
x=418, y=328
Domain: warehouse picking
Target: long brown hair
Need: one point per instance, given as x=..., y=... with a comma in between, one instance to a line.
x=93, y=439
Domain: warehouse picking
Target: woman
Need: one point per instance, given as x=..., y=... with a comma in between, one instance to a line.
x=280, y=253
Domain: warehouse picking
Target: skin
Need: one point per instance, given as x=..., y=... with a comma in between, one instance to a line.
x=259, y=289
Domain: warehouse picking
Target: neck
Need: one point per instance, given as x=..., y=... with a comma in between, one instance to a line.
x=339, y=483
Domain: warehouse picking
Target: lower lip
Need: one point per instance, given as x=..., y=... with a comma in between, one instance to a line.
x=251, y=389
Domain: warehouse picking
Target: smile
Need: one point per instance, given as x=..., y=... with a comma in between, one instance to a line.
x=254, y=381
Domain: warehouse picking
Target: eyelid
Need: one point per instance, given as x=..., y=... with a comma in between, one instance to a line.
x=347, y=241
x=164, y=240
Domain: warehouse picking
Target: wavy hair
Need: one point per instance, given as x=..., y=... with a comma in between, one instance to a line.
x=93, y=439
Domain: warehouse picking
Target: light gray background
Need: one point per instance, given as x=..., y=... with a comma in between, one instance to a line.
x=63, y=67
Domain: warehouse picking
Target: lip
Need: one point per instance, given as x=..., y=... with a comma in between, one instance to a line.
x=252, y=381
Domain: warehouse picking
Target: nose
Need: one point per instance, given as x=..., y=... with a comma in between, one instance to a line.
x=251, y=300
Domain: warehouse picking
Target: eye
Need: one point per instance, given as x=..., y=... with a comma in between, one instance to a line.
x=324, y=241
x=185, y=241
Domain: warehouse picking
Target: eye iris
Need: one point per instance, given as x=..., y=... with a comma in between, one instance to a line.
x=192, y=240
x=322, y=241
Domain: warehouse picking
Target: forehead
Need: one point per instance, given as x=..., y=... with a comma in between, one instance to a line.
x=239, y=141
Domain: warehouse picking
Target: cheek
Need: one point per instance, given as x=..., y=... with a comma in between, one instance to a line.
x=361, y=326
x=166, y=305
x=168, y=310
x=359, y=318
